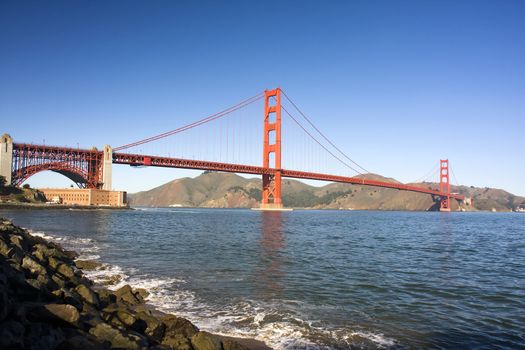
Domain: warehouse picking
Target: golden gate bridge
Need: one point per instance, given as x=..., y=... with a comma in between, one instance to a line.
x=225, y=145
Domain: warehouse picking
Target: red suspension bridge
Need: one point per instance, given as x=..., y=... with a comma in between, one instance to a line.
x=226, y=145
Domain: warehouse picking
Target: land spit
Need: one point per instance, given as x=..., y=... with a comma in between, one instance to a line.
x=46, y=302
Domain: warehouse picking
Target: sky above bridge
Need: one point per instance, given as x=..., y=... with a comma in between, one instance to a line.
x=396, y=84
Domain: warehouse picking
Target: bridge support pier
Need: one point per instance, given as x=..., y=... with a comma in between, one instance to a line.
x=107, y=168
x=6, y=158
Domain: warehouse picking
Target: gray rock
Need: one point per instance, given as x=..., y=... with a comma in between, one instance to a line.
x=127, y=295
x=70, y=254
x=64, y=312
x=58, y=280
x=177, y=325
x=142, y=292
x=56, y=314
x=117, y=338
x=206, y=341
x=111, y=280
x=16, y=255
x=4, y=248
x=66, y=271
x=177, y=341
x=106, y=297
x=87, y=294
x=154, y=327
x=39, y=256
x=18, y=241
x=125, y=317
x=46, y=281
x=33, y=266
x=47, y=251
x=54, y=262
x=229, y=344
x=88, y=264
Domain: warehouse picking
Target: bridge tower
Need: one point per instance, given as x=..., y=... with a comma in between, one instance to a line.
x=271, y=186
x=444, y=184
x=6, y=158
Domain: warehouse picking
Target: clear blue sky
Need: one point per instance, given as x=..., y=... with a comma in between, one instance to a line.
x=396, y=84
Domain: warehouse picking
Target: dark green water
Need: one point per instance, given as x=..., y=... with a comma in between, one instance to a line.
x=317, y=279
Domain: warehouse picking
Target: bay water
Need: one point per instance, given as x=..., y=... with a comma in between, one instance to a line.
x=314, y=279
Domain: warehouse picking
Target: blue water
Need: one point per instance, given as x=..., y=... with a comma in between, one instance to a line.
x=316, y=279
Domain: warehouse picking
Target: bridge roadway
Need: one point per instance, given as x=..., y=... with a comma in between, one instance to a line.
x=145, y=160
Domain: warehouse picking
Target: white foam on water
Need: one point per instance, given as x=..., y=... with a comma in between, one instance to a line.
x=379, y=339
x=43, y=235
x=105, y=273
x=247, y=319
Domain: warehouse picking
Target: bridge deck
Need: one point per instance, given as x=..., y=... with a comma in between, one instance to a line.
x=141, y=160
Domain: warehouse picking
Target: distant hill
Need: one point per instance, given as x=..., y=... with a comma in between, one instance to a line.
x=226, y=190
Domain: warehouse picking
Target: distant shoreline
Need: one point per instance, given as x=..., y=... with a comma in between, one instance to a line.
x=45, y=206
x=42, y=206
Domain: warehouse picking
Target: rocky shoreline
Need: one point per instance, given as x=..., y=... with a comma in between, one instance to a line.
x=46, y=302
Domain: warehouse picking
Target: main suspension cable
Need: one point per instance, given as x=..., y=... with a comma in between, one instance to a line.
x=323, y=135
x=317, y=141
x=194, y=124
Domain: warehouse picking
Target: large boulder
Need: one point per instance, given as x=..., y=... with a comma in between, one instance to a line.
x=177, y=325
x=43, y=252
x=66, y=271
x=87, y=295
x=206, y=341
x=64, y=312
x=88, y=265
x=118, y=338
x=33, y=266
x=230, y=344
x=177, y=341
x=4, y=248
x=154, y=327
x=18, y=241
x=58, y=314
x=129, y=296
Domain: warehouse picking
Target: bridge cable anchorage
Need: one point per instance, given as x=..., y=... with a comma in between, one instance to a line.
x=319, y=143
x=323, y=135
x=218, y=115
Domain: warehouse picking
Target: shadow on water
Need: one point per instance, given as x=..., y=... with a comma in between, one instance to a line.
x=272, y=243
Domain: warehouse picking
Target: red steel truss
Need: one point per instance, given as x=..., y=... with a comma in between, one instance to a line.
x=84, y=167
